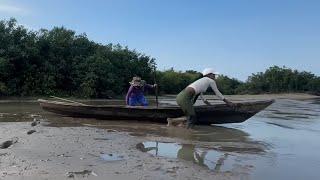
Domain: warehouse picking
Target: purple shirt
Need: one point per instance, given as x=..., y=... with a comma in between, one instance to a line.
x=137, y=91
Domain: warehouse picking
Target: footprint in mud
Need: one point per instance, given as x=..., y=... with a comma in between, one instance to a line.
x=35, y=122
x=7, y=144
x=101, y=139
x=31, y=132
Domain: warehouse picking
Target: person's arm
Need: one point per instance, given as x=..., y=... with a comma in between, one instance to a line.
x=128, y=94
x=216, y=90
x=204, y=100
x=149, y=86
x=218, y=93
x=231, y=104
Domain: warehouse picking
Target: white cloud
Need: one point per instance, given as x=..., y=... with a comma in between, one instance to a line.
x=10, y=9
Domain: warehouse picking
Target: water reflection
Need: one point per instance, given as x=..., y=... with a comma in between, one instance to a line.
x=213, y=159
x=223, y=138
x=17, y=111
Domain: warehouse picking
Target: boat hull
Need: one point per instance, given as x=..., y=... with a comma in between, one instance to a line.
x=215, y=114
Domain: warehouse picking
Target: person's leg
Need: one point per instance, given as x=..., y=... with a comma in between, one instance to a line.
x=133, y=101
x=180, y=99
x=192, y=118
x=179, y=121
x=185, y=101
x=142, y=100
x=194, y=99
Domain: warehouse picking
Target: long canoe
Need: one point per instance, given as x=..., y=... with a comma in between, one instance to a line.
x=213, y=114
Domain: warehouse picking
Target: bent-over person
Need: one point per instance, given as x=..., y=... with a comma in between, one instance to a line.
x=187, y=97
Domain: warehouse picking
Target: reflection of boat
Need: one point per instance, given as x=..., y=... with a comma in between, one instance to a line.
x=214, y=114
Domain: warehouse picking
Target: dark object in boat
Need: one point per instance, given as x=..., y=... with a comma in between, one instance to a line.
x=213, y=114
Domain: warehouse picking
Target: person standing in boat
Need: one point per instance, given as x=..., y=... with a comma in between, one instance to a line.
x=135, y=94
x=187, y=97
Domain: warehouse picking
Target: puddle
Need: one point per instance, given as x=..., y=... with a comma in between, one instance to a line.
x=215, y=158
x=111, y=157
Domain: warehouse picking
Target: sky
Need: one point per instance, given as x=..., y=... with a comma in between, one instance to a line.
x=235, y=37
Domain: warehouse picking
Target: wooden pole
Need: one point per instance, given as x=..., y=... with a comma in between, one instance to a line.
x=157, y=148
x=155, y=82
x=67, y=100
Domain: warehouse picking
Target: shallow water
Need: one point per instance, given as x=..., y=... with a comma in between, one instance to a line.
x=281, y=142
x=212, y=158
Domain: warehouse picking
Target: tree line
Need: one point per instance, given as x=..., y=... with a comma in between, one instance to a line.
x=62, y=63
x=274, y=80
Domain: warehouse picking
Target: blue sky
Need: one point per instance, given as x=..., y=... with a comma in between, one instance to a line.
x=236, y=37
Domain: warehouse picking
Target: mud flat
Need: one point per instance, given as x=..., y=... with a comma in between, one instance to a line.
x=94, y=153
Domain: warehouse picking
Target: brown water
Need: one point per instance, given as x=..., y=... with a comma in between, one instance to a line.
x=281, y=142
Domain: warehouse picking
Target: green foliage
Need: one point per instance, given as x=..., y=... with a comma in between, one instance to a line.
x=172, y=82
x=227, y=85
x=61, y=62
x=3, y=89
x=273, y=80
x=277, y=80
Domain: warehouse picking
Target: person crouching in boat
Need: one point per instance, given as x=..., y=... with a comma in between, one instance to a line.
x=135, y=94
x=187, y=97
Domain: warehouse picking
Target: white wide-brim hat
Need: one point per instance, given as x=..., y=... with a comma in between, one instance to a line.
x=207, y=71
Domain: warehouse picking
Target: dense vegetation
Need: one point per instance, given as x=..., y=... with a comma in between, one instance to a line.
x=60, y=62
x=274, y=80
x=63, y=63
x=278, y=80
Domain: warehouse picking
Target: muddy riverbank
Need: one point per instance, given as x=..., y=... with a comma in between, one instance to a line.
x=95, y=153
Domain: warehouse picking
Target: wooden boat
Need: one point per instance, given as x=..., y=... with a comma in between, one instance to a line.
x=214, y=114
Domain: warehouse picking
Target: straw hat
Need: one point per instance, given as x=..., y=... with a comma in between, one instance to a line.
x=136, y=81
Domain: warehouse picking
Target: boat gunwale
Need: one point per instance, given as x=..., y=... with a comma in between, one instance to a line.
x=222, y=105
